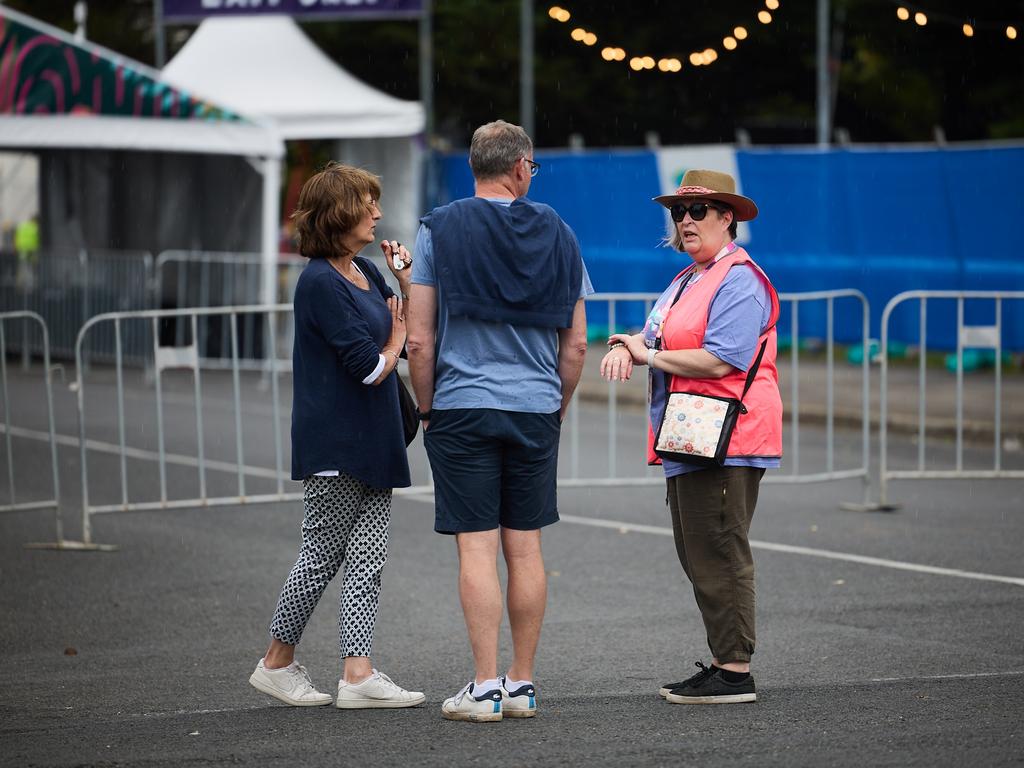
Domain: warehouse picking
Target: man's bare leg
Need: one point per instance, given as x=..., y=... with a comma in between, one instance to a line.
x=480, y=592
x=527, y=597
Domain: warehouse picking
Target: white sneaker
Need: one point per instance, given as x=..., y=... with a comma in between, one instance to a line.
x=378, y=691
x=290, y=684
x=522, y=702
x=477, y=707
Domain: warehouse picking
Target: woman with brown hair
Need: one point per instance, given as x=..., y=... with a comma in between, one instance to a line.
x=348, y=444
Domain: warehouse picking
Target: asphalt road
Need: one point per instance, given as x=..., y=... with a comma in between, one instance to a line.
x=883, y=638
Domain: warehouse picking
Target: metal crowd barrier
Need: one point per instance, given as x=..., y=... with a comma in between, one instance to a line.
x=794, y=468
x=987, y=336
x=184, y=279
x=184, y=357
x=10, y=431
x=68, y=286
x=172, y=352
x=187, y=279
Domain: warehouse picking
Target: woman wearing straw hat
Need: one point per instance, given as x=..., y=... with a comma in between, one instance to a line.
x=712, y=334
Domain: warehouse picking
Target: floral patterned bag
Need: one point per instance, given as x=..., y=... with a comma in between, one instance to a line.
x=696, y=429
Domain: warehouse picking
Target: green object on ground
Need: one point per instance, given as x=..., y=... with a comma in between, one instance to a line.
x=855, y=354
x=978, y=359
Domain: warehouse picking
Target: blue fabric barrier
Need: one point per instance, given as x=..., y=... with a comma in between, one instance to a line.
x=881, y=221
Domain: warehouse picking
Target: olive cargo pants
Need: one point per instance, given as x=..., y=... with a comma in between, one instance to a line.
x=711, y=512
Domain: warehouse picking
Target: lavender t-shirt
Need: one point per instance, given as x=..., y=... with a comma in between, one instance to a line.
x=740, y=311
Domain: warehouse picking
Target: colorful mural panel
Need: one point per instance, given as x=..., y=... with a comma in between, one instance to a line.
x=42, y=74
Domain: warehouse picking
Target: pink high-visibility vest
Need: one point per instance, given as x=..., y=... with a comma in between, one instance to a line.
x=758, y=432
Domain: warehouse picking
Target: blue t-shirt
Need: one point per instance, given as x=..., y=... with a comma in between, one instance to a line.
x=490, y=365
x=740, y=311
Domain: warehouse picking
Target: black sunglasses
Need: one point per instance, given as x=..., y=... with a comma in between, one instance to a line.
x=697, y=211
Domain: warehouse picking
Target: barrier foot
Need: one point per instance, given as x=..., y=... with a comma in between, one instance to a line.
x=872, y=506
x=73, y=546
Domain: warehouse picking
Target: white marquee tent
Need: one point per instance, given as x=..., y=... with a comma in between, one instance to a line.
x=266, y=66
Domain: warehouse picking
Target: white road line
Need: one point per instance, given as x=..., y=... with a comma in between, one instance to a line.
x=945, y=677
x=189, y=712
x=808, y=551
x=223, y=466
x=139, y=453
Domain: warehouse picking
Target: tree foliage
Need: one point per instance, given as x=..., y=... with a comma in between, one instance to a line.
x=894, y=81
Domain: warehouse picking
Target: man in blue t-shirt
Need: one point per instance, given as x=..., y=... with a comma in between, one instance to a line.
x=497, y=336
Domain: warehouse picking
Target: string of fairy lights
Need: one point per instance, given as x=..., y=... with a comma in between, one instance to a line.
x=968, y=25
x=666, y=64
x=730, y=42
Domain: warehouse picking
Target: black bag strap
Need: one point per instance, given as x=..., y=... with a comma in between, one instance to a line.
x=751, y=373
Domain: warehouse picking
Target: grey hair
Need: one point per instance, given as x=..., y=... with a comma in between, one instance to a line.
x=496, y=147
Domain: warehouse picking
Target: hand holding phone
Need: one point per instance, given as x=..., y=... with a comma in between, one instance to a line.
x=396, y=255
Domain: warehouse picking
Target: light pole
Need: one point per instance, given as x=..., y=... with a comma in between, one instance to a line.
x=427, y=97
x=824, y=94
x=81, y=14
x=526, y=106
x=159, y=32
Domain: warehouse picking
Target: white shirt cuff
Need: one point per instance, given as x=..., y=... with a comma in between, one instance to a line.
x=376, y=371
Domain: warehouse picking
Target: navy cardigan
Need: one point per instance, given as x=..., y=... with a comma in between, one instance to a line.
x=337, y=421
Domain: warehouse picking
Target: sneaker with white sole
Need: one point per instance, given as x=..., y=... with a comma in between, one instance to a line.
x=378, y=691
x=290, y=684
x=522, y=702
x=474, y=706
x=715, y=689
x=698, y=679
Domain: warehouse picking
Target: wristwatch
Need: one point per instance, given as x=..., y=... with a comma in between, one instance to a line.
x=650, y=356
x=423, y=415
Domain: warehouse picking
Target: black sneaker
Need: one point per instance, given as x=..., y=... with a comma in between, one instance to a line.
x=705, y=672
x=712, y=688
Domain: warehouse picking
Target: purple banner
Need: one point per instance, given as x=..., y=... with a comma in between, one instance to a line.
x=196, y=10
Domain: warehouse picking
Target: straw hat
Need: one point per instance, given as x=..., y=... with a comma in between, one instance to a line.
x=711, y=185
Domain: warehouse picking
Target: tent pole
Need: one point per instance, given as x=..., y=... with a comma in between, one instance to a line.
x=271, y=217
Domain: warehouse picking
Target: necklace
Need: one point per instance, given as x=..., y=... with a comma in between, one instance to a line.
x=354, y=279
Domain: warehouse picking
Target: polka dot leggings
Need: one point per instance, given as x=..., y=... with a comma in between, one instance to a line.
x=345, y=521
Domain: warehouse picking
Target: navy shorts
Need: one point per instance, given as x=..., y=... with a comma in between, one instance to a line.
x=493, y=468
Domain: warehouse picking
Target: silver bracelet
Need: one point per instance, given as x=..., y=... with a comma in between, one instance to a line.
x=650, y=357
x=616, y=345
